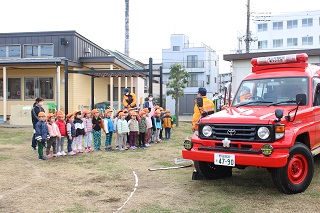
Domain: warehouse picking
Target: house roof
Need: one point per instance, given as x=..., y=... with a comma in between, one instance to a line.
x=132, y=63
x=30, y=60
x=244, y=56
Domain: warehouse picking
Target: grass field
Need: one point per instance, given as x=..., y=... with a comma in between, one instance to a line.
x=119, y=181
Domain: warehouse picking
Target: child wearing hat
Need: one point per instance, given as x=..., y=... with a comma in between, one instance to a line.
x=79, y=126
x=63, y=132
x=115, y=122
x=42, y=134
x=167, y=124
x=122, y=129
x=142, y=129
x=54, y=135
x=71, y=132
x=147, y=137
x=134, y=130
x=97, y=125
x=157, y=126
x=108, y=129
x=87, y=122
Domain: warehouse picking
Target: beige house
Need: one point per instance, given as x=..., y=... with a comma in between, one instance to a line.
x=35, y=64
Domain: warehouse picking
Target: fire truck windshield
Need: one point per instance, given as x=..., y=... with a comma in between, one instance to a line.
x=270, y=90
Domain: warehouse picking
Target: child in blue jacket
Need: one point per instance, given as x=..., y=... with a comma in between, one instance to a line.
x=108, y=129
x=42, y=134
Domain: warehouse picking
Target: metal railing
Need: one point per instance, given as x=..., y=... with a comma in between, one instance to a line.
x=190, y=83
x=186, y=65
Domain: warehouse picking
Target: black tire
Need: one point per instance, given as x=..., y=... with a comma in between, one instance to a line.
x=210, y=171
x=296, y=176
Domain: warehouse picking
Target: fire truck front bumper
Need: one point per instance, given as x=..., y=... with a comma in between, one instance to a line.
x=230, y=157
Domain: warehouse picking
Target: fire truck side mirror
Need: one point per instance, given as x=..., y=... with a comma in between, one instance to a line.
x=301, y=99
x=279, y=114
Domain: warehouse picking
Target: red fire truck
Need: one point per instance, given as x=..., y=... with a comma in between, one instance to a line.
x=273, y=122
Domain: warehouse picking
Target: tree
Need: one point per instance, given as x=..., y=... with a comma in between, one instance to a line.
x=178, y=79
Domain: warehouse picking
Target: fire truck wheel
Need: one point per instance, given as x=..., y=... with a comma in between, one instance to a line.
x=296, y=176
x=210, y=171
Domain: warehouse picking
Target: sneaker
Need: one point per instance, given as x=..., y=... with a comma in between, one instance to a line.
x=42, y=158
x=76, y=151
x=126, y=148
x=132, y=148
x=147, y=145
x=63, y=153
x=122, y=149
x=33, y=148
x=117, y=147
x=71, y=153
x=143, y=147
x=48, y=156
x=80, y=151
x=91, y=150
x=59, y=154
x=87, y=150
x=54, y=155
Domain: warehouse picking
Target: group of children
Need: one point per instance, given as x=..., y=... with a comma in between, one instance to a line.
x=128, y=126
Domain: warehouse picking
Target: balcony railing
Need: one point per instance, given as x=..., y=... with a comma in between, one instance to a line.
x=186, y=65
x=190, y=84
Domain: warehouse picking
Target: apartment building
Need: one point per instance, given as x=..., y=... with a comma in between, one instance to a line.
x=200, y=60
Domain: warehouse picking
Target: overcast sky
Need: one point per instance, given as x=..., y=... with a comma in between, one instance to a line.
x=215, y=23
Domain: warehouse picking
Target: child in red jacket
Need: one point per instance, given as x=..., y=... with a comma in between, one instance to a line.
x=63, y=131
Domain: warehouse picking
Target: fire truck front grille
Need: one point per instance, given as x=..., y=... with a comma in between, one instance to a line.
x=240, y=133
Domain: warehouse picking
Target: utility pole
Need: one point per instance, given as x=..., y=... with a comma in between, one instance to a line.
x=126, y=43
x=248, y=34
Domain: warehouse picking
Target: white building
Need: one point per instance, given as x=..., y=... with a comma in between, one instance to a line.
x=200, y=60
x=289, y=31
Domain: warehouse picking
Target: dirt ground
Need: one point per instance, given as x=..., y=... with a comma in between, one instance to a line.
x=119, y=181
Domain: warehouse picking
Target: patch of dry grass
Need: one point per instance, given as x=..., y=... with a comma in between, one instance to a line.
x=102, y=182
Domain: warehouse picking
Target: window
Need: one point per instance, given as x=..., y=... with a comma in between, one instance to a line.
x=292, y=42
x=307, y=40
x=38, y=87
x=13, y=89
x=43, y=50
x=307, y=22
x=193, y=80
x=278, y=25
x=292, y=24
x=277, y=43
x=10, y=51
x=262, y=44
x=262, y=27
x=176, y=48
x=192, y=61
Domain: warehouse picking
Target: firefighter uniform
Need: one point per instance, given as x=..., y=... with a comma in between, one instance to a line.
x=208, y=106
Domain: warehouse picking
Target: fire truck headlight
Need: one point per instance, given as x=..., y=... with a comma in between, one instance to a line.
x=266, y=149
x=263, y=133
x=207, y=131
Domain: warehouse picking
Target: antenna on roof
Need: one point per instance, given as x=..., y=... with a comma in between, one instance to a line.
x=126, y=43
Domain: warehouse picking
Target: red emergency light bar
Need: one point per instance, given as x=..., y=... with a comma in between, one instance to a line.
x=281, y=59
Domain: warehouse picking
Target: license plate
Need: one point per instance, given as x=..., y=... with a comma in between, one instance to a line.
x=224, y=159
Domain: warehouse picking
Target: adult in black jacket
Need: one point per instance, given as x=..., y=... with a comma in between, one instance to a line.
x=37, y=107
